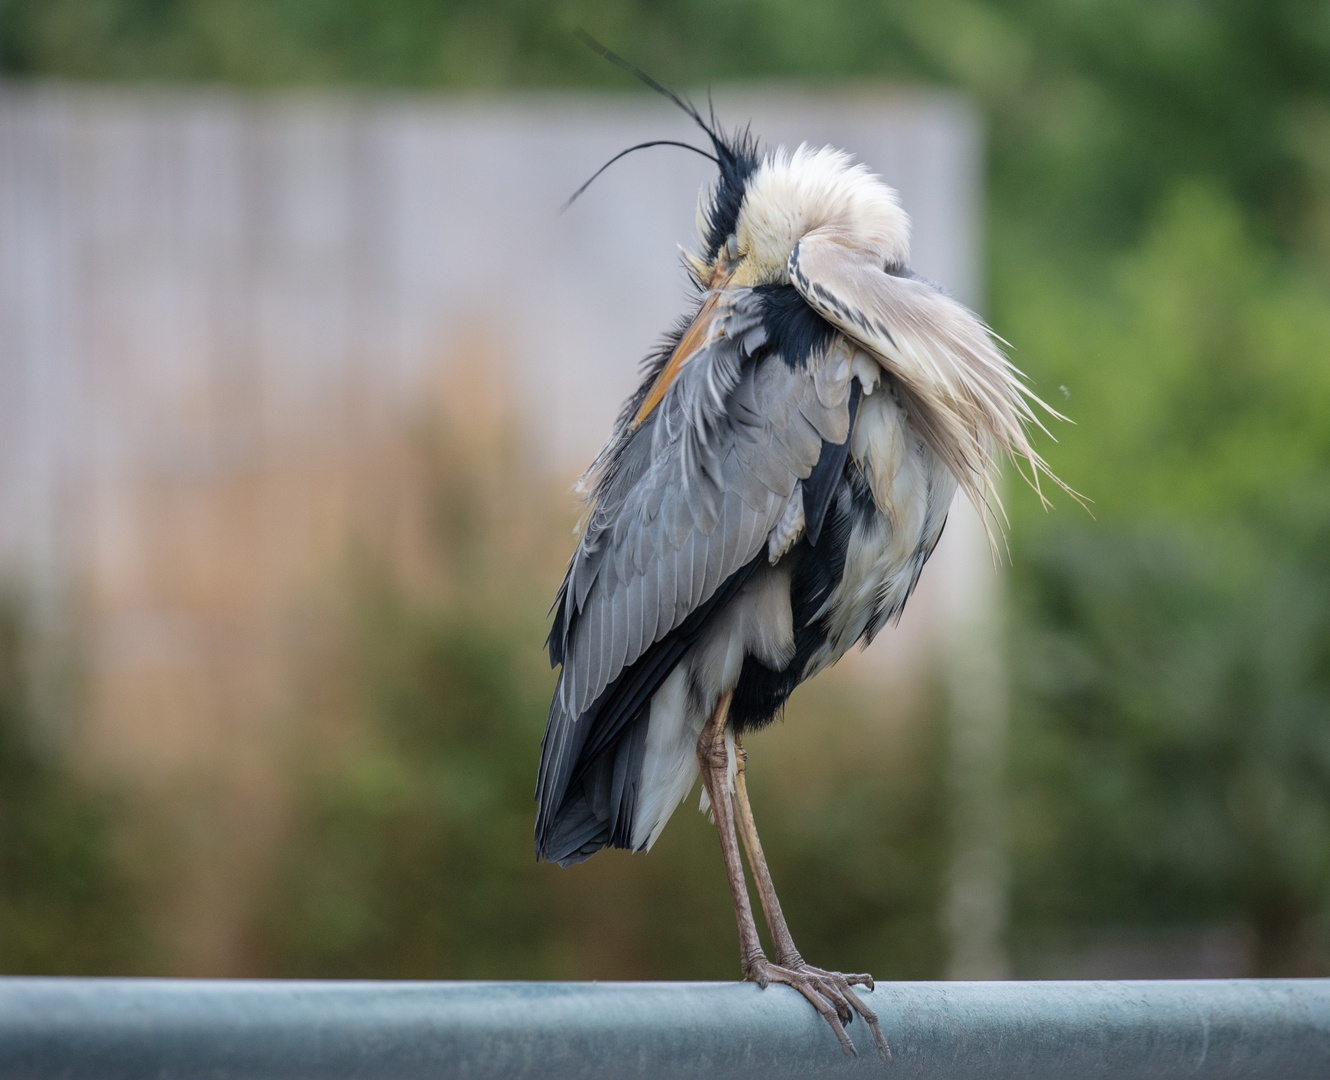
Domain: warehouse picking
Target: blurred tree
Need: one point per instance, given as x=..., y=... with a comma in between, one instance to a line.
x=65, y=907
x=1195, y=372
x=1174, y=755
x=1173, y=750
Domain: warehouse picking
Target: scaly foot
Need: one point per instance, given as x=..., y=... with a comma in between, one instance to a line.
x=829, y=992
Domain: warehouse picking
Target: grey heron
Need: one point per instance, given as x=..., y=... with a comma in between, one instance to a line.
x=768, y=498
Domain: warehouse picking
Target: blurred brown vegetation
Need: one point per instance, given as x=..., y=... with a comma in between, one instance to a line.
x=409, y=851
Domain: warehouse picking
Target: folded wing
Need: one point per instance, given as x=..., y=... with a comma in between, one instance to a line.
x=682, y=511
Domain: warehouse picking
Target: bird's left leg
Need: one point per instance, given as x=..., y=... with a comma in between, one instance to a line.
x=712, y=756
x=787, y=956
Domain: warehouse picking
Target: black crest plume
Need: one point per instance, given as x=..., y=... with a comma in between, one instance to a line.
x=735, y=156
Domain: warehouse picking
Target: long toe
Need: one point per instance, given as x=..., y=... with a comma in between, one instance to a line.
x=843, y=985
x=829, y=992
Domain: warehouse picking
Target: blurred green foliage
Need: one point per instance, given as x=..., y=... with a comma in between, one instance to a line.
x=412, y=856
x=1096, y=106
x=1194, y=370
x=1173, y=758
x=1160, y=248
x=65, y=906
x=406, y=862
x=1173, y=730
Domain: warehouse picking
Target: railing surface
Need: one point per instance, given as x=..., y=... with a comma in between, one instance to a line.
x=177, y=1028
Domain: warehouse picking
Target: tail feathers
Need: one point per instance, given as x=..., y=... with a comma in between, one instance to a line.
x=575, y=835
x=559, y=750
x=596, y=808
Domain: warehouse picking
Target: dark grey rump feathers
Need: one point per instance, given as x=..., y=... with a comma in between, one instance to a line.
x=681, y=510
x=606, y=751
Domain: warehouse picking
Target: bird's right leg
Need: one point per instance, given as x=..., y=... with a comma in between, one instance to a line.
x=713, y=756
x=832, y=984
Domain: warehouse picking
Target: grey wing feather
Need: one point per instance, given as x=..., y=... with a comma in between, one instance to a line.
x=683, y=508
x=699, y=485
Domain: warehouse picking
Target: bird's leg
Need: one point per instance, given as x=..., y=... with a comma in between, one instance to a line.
x=827, y=998
x=786, y=953
x=714, y=760
x=787, y=956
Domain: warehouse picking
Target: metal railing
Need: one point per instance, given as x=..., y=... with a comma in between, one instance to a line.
x=179, y=1028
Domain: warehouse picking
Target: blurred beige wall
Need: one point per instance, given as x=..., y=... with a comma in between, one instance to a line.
x=221, y=316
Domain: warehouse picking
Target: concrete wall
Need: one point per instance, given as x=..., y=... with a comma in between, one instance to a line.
x=216, y=310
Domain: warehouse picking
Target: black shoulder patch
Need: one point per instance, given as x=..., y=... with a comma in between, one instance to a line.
x=793, y=328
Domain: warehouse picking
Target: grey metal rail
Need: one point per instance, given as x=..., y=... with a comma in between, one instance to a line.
x=172, y=1029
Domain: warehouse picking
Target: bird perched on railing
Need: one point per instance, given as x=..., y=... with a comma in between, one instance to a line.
x=767, y=499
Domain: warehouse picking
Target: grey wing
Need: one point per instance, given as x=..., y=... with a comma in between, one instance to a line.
x=687, y=500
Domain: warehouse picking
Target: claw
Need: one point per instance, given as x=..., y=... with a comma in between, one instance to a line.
x=830, y=993
x=870, y=1018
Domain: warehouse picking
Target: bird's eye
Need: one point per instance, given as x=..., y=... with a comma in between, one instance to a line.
x=732, y=248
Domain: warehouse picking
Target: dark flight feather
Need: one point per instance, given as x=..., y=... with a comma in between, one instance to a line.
x=565, y=834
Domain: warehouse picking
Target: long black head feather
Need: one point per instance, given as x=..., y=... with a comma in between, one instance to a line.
x=624, y=153
x=736, y=155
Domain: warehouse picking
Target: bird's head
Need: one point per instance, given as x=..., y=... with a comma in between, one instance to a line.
x=761, y=206
x=814, y=220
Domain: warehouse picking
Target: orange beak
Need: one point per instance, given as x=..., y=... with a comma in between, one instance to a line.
x=694, y=339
